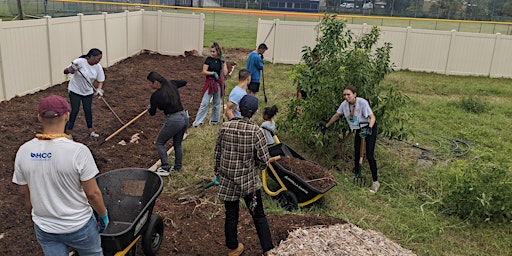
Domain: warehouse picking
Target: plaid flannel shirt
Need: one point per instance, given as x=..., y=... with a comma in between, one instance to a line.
x=240, y=154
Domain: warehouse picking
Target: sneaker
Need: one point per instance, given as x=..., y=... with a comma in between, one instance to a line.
x=195, y=125
x=94, y=135
x=375, y=187
x=214, y=123
x=162, y=171
x=236, y=251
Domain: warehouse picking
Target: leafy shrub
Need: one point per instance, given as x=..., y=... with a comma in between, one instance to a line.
x=473, y=105
x=339, y=59
x=480, y=194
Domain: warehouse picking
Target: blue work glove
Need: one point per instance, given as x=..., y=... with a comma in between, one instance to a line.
x=216, y=180
x=222, y=59
x=103, y=222
x=216, y=75
x=365, y=132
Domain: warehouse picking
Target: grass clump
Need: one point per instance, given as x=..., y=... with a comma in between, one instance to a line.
x=473, y=105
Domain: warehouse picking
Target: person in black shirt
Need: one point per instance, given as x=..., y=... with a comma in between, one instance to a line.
x=167, y=98
x=215, y=69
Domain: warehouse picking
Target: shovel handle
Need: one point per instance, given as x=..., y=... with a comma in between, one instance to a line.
x=273, y=159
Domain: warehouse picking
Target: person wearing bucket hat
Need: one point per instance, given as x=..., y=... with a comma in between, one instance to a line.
x=57, y=178
x=240, y=154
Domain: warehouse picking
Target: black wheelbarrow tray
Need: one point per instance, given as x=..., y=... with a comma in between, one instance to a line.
x=129, y=195
x=293, y=191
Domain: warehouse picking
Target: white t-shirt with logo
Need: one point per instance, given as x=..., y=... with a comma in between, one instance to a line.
x=79, y=84
x=53, y=170
x=361, y=115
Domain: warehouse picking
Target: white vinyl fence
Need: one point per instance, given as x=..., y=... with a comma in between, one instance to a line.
x=34, y=53
x=444, y=52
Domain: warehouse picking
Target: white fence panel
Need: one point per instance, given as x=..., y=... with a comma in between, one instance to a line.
x=471, y=54
x=116, y=38
x=426, y=50
x=500, y=66
x=25, y=57
x=65, y=45
x=94, y=35
x=180, y=33
x=134, y=32
x=398, y=39
x=287, y=46
x=150, y=30
x=267, y=35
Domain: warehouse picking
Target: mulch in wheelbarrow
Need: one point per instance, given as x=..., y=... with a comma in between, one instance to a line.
x=309, y=172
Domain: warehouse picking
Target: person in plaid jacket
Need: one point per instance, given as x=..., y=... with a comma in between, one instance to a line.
x=240, y=154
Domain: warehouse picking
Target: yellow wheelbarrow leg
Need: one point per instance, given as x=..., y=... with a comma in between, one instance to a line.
x=128, y=248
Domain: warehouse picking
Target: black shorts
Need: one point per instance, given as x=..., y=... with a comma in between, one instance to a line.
x=254, y=87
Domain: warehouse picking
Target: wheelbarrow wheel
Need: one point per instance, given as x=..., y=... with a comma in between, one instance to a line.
x=288, y=200
x=153, y=236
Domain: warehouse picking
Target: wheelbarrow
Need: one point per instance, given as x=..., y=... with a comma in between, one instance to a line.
x=129, y=195
x=293, y=191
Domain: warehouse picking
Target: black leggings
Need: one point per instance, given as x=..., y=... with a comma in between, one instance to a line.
x=75, y=100
x=370, y=148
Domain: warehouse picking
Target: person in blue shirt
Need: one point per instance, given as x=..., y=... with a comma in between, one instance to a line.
x=255, y=66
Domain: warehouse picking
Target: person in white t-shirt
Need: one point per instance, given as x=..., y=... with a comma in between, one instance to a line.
x=360, y=120
x=239, y=91
x=56, y=176
x=86, y=69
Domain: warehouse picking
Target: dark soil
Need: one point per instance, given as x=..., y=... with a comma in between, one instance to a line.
x=309, y=172
x=190, y=229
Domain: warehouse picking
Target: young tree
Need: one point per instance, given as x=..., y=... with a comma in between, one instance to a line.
x=340, y=59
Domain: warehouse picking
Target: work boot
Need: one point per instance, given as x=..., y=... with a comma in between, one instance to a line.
x=375, y=187
x=236, y=251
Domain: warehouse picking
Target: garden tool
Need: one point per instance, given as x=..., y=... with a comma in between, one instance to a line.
x=101, y=95
x=263, y=82
x=359, y=179
x=193, y=192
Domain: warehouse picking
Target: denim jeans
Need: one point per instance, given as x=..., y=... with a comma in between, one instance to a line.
x=175, y=126
x=75, y=100
x=205, y=105
x=258, y=217
x=86, y=241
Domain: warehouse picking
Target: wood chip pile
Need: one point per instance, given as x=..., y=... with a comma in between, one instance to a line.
x=340, y=239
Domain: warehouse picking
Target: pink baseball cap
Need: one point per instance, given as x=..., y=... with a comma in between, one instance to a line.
x=53, y=106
